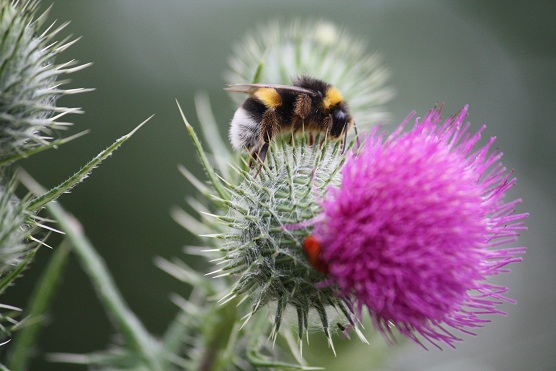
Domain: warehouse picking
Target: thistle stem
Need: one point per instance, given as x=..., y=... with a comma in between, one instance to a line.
x=40, y=301
x=133, y=331
x=221, y=341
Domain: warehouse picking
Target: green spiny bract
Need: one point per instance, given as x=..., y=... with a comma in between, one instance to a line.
x=263, y=246
x=29, y=85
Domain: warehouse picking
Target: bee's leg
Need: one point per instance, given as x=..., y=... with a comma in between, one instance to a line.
x=344, y=140
x=269, y=124
x=327, y=125
x=345, y=131
x=253, y=159
x=260, y=157
x=262, y=152
x=357, y=142
x=298, y=127
x=302, y=106
x=290, y=141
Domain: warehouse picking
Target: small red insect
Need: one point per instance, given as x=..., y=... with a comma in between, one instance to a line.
x=312, y=248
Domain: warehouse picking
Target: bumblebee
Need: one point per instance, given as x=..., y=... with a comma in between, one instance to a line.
x=309, y=105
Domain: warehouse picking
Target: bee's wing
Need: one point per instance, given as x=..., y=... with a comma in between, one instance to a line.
x=252, y=88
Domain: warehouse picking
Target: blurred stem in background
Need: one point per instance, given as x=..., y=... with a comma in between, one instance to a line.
x=41, y=298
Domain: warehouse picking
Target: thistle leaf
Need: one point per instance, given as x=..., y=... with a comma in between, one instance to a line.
x=54, y=193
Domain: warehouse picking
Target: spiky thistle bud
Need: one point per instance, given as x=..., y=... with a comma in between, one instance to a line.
x=29, y=80
x=29, y=89
x=260, y=249
x=30, y=86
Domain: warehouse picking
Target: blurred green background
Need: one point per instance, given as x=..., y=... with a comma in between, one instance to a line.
x=498, y=56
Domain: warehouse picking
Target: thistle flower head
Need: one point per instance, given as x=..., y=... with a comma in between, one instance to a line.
x=277, y=53
x=412, y=230
x=28, y=79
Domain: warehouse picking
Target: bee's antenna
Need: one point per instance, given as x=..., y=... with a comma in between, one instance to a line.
x=345, y=140
x=258, y=170
x=357, y=142
x=261, y=155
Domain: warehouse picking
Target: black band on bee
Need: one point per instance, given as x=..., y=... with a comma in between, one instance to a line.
x=254, y=108
x=313, y=84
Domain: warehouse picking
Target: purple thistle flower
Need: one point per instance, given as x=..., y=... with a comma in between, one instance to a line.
x=413, y=230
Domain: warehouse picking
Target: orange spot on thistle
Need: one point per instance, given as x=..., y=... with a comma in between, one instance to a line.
x=312, y=249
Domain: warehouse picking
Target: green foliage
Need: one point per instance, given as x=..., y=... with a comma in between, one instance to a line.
x=30, y=86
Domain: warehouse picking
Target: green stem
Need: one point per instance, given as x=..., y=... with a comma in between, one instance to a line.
x=219, y=346
x=259, y=361
x=39, y=303
x=131, y=328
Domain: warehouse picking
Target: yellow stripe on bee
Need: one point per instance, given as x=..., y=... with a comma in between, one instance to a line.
x=332, y=97
x=269, y=97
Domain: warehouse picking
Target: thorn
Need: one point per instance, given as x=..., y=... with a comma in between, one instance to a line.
x=222, y=275
x=361, y=336
x=331, y=343
x=247, y=318
x=182, y=115
x=227, y=300
x=214, y=272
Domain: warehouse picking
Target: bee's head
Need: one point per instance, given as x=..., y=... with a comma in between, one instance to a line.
x=341, y=120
